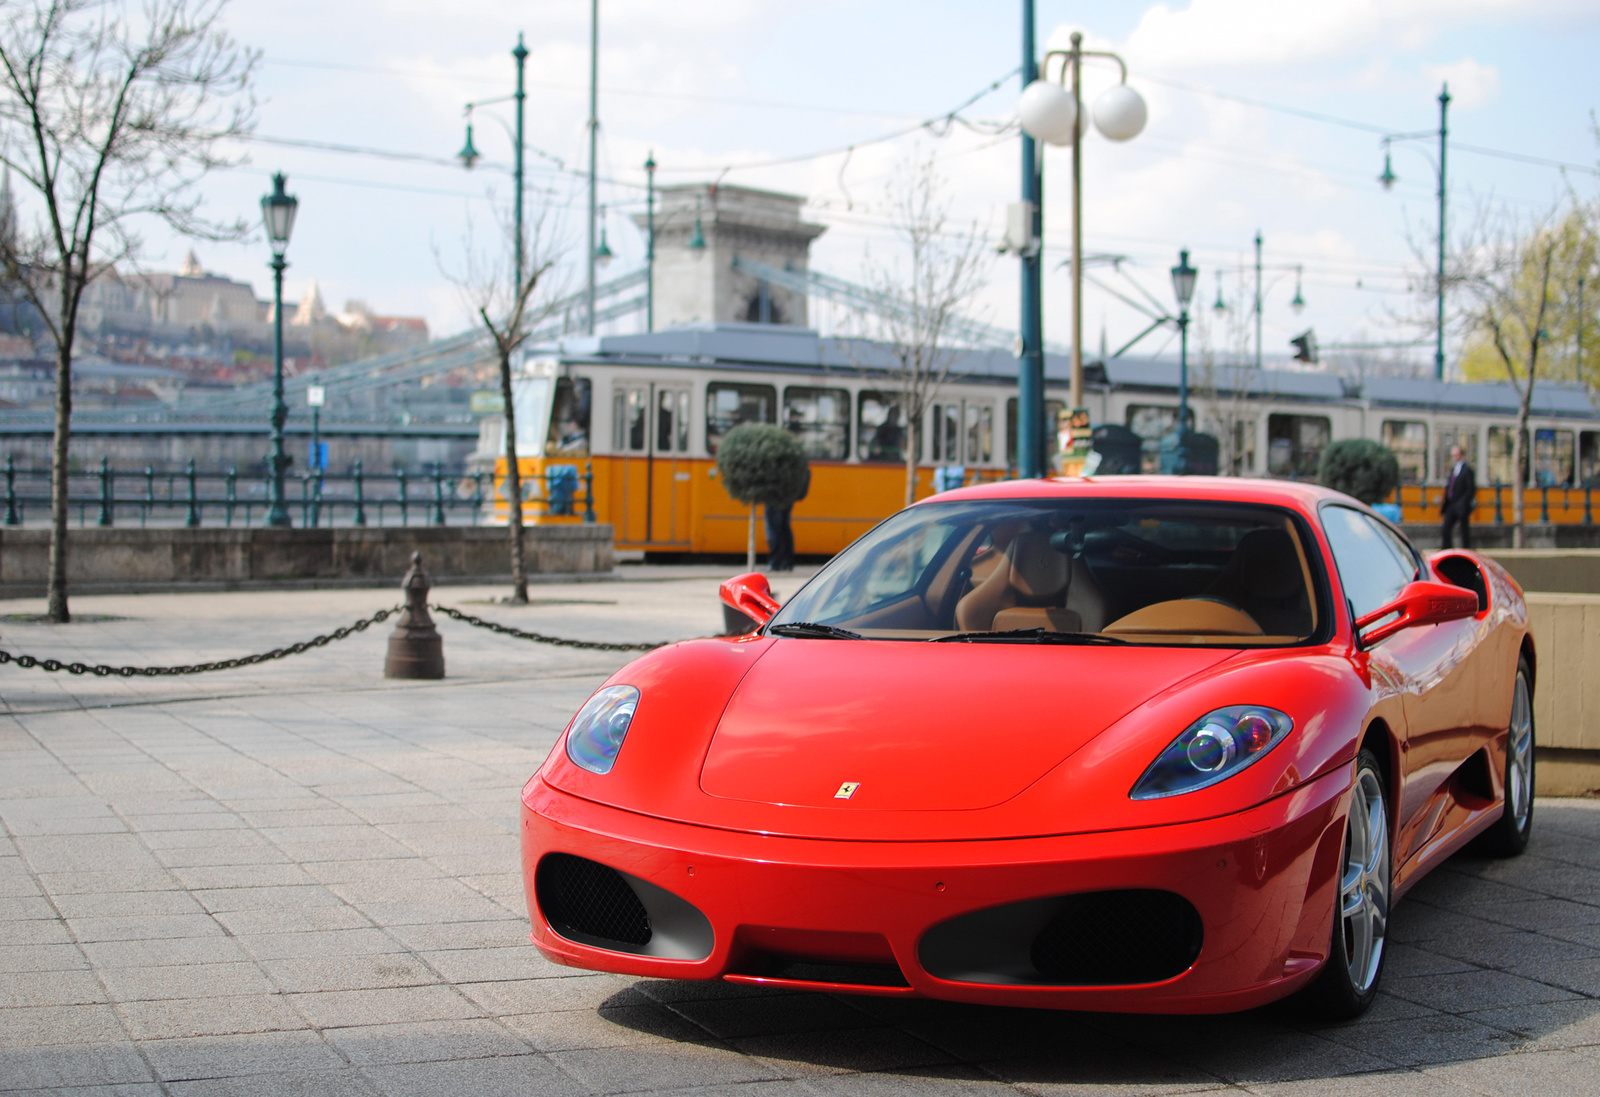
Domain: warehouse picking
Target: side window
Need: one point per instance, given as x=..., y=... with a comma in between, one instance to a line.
x=820, y=418
x=1373, y=563
x=629, y=410
x=729, y=404
x=880, y=427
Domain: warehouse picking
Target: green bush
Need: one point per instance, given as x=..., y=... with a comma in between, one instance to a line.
x=760, y=463
x=1360, y=467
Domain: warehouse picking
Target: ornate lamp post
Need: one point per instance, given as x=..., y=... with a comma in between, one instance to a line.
x=278, y=210
x=1183, y=281
x=1051, y=113
x=1388, y=180
x=469, y=156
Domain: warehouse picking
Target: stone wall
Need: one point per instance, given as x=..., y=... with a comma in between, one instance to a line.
x=1568, y=571
x=1566, y=698
x=102, y=560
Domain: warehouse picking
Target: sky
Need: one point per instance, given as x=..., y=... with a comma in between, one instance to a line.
x=1264, y=115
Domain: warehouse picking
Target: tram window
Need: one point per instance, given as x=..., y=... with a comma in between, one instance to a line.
x=1501, y=443
x=947, y=434
x=1446, y=436
x=629, y=408
x=980, y=434
x=729, y=404
x=1052, y=412
x=820, y=418
x=672, y=421
x=1151, y=422
x=1408, y=439
x=880, y=427
x=1552, y=458
x=1589, y=459
x=569, y=420
x=1295, y=444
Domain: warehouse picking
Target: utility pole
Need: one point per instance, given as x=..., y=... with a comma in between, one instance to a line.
x=1258, y=298
x=650, y=242
x=521, y=54
x=1438, y=352
x=1030, y=339
x=594, y=140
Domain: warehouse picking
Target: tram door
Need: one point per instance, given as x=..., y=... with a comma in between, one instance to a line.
x=650, y=493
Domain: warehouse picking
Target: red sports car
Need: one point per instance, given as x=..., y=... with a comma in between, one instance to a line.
x=1139, y=744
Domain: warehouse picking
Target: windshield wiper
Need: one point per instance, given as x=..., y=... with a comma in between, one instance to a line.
x=811, y=630
x=1029, y=635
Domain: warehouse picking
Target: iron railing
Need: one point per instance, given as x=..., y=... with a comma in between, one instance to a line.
x=103, y=496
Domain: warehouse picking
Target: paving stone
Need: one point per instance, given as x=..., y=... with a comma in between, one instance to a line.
x=310, y=883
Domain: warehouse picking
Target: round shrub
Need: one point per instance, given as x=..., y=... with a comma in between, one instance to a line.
x=1360, y=467
x=761, y=463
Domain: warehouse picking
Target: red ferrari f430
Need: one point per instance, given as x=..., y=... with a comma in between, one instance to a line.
x=1136, y=744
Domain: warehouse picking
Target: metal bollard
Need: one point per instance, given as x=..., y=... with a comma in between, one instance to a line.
x=416, y=650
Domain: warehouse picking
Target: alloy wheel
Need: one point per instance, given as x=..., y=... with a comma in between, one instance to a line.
x=1519, y=757
x=1364, y=887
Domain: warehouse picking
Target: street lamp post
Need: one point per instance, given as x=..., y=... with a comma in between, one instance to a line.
x=1053, y=114
x=278, y=210
x=1388, y=179
x=1183, y=282
x=469, y=155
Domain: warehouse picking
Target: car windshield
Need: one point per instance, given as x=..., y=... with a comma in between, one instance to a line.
x=1139, y=571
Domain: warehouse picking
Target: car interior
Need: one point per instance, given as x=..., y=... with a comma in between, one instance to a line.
x=1165, y=574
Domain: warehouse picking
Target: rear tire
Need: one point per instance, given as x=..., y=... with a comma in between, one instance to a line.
x=1509, y=835
x=1349, y=980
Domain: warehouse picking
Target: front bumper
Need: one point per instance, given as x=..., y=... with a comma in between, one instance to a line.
x=1263, y=882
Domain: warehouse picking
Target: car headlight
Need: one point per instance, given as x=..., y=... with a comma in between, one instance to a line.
x=1212, y=749
x=598, y=729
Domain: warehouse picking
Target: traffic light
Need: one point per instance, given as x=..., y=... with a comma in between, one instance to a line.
x=1305, y=347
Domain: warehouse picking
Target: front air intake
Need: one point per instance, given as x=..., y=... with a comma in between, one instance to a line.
x=1092, y=939
x=1112, y=938
x=583, y=899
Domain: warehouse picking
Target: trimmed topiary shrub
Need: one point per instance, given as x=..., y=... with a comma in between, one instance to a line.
x=760, y=463
x=1360, y=467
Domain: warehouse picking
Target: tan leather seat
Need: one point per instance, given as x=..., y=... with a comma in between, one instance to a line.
x=1038, y=587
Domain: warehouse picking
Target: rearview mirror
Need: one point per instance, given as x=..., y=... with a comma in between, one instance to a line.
x=750, y=595
x=1419, y=603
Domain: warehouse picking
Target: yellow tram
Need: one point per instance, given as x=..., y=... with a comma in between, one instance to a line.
x=643, y=414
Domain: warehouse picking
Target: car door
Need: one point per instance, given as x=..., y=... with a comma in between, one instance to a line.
x=1430, y=663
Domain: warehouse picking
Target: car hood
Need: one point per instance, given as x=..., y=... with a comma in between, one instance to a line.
x=945, y=741
x=920, y=726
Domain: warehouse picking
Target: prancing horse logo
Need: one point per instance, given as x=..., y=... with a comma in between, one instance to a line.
x=847, y=790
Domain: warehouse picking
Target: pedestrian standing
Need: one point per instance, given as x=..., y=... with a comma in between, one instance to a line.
x=1460, y=499
x=780, y=537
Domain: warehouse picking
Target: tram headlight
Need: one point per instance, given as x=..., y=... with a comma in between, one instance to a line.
x=598, y=730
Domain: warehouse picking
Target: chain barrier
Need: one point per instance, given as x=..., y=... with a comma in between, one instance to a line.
x=539, y=638
x=100, y=670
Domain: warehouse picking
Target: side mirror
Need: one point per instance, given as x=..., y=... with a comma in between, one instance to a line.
x=750, y=595
x=1419, y=603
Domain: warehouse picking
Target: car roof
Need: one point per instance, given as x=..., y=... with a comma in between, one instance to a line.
x=1228, y=489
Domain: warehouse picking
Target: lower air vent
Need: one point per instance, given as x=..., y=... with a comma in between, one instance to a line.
x=1097, y=938
x=585, y=899
x=1109, y=938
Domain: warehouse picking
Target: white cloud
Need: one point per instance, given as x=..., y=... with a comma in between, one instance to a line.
x=1471, y=84
x=1272, y=32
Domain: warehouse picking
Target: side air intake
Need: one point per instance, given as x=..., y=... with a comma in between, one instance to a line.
x=597, y=905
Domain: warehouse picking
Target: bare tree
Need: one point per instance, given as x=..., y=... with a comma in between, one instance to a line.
x=110, y=114
x=509, y=313
x=1508, y=271
x=922, y=290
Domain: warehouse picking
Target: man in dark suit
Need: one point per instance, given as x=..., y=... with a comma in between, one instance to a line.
x=1460, y=498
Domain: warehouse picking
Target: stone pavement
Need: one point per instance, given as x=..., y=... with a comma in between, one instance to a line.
x=299, y=878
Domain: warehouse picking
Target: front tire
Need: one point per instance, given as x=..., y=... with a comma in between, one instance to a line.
x=1509, y=835
x=1349, y=980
